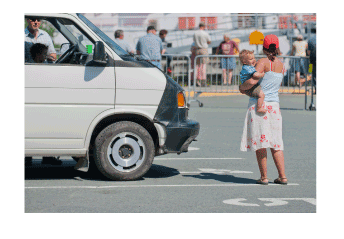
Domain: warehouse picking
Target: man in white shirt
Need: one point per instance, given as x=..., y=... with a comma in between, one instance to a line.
x=33, y=34
x=202, y=40
x=299, y=49
x=119, y=36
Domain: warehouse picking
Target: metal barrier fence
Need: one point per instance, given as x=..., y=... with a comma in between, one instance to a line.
x=213, y=81
x=179, y=68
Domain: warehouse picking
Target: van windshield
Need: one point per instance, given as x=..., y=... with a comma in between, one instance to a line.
x=120, y=52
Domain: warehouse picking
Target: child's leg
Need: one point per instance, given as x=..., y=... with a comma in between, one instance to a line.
x=260, y=102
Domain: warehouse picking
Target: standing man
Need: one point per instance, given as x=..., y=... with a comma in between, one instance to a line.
x=299, y=49
x=119, y=36
x=312, y=45
x=150, y=47
x=201, y=40
x=33, y=34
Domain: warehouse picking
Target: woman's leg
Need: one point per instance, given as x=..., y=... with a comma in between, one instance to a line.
x=230, y=73
x=261, y=159
x=224, y=75
x=278, y=157
x=297, y=76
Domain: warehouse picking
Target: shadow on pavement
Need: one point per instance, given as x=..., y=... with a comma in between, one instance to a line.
x=159, y=171
x=223, y=178
x=66, y=171
x=38, y=172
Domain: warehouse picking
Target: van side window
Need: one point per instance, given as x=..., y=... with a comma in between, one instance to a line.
x=68, y=43
x=47, y=41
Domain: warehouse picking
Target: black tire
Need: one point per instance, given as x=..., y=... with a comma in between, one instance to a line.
x=124, y=151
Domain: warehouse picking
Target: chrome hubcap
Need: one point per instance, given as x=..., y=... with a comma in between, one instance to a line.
x=126, y=152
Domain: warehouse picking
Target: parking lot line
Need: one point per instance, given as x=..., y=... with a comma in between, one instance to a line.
x=147, y=186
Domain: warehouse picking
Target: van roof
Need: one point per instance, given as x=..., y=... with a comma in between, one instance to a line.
x=49, y=14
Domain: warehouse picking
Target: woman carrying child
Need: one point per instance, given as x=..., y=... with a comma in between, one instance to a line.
x=264, y=130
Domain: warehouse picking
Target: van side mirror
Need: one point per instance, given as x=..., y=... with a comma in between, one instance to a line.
x=99, y=55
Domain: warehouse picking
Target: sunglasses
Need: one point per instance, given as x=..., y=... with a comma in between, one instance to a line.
x=34, y=19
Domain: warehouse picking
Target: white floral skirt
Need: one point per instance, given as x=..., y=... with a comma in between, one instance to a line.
x=262, y=130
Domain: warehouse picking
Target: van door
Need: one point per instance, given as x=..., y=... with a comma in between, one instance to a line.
x=62, y=99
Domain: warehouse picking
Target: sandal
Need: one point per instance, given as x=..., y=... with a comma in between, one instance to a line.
x=279, y=181
x=260, y=181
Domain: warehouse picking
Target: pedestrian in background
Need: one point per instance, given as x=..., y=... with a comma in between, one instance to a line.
x=202, y=40
x=228, y=64
x=299, y=49
x=150, y=47
x=192, y=58
x=119, y=39
x=261, y=130
x=162, y=35
x=312, y=45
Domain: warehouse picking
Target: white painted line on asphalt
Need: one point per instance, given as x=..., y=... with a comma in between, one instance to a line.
x=193, y=148
x=152, y=186
x=214, y=171
x=221, y=171
x=191, y=158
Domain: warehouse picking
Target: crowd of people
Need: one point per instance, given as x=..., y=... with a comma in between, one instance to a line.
x=151, y=48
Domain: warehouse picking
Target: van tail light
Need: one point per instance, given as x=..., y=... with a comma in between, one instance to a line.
x=181, y=99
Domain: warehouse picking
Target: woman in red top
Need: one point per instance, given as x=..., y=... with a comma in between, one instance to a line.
x=227, y=64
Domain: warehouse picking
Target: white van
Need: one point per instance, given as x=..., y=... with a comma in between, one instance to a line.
x=107, y=107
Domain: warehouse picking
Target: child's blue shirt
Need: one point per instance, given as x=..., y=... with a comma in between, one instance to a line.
x=246, y=73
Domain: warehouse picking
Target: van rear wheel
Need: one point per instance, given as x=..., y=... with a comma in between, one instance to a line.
x=124, y=151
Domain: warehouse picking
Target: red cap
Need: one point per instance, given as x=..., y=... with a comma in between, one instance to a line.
x=270, y=39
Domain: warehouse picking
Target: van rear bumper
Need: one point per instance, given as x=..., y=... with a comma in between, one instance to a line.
x=180, y=135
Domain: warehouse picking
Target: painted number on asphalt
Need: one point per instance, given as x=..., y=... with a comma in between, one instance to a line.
x=272, y=201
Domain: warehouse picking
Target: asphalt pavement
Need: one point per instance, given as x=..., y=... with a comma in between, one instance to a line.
x=213, y=177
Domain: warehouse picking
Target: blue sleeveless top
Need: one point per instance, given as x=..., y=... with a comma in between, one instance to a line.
x=270, y=84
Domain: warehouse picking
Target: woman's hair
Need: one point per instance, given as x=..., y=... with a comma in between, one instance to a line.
x=37, y=49
x=163, y=32
x=226, y=35
x=272, y=51
x=243, y=55
x=118, y=33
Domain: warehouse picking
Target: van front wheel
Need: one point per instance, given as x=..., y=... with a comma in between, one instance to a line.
x=124, y=151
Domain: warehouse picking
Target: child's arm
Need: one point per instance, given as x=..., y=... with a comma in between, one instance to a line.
x=258, y=75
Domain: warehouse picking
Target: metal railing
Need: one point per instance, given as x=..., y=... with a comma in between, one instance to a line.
x=183, y=69
x=179, y=68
